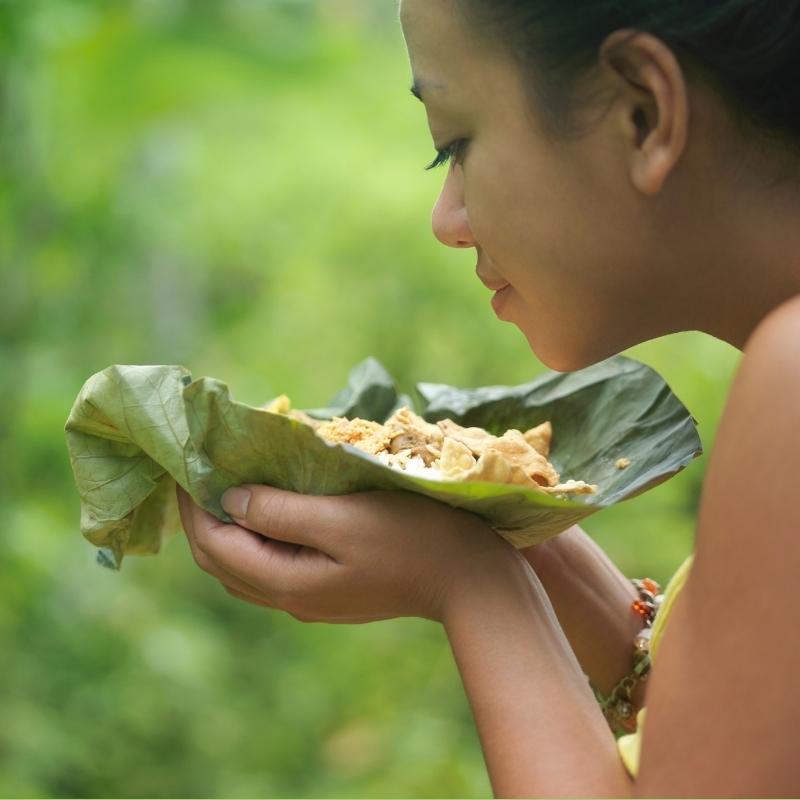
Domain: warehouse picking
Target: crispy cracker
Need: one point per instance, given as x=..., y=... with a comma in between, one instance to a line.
x=539, y=438
x=476, y=439
x=495, y=467
x=456, y=460
x=513, y=447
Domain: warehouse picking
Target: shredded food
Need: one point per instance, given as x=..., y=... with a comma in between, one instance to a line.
x=445, y=450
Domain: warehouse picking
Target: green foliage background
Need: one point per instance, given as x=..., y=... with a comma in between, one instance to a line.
x=237, y=187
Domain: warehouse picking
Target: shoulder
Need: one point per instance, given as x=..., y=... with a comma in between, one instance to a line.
x=749, y=518
x=724, y=698
x=756, y=456
x=773, y=349
x=757, y=442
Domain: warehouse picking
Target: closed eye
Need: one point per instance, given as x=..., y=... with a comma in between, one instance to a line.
x=446, y=154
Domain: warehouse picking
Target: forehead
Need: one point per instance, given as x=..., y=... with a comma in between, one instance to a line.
x=450, y=63
x=429, y=23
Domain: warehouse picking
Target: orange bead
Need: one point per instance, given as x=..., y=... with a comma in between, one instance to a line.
x=651, y=585
x=641, y=608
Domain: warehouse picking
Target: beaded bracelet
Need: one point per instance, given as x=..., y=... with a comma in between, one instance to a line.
x=618, y=707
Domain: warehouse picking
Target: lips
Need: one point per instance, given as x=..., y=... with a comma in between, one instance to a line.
x=500, y=298
x=492, y=283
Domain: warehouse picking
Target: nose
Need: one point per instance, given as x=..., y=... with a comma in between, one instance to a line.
x=449, y=218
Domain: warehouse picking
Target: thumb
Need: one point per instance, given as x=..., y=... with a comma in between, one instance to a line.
x=302, y=519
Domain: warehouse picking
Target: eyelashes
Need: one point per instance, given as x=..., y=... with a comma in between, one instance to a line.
x=447, y=154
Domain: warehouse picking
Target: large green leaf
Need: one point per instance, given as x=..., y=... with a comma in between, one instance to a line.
x=136, y=430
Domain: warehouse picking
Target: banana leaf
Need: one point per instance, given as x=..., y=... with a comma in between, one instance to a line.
x=134, y=431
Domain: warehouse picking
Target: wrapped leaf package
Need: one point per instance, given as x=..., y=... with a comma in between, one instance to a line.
x=136, y=430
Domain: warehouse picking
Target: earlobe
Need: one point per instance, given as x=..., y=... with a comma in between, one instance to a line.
x=649, y=170
x=657, y=113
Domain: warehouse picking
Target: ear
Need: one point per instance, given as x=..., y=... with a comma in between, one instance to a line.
x=653, y=104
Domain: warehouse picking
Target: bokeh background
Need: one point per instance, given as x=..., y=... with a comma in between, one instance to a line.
x=236, y=186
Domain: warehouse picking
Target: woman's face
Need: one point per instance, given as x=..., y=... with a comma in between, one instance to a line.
x=559, y=223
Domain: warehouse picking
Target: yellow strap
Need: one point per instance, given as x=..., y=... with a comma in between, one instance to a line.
x=673, y=589
x=629, y=745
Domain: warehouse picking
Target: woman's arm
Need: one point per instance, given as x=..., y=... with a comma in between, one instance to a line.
x=592, y=600
x=541, y=729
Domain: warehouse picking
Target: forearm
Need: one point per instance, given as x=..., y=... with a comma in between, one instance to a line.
x=592, y=600
x=540, y=727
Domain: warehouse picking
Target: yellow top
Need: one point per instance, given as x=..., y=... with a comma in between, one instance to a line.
x=630, y=743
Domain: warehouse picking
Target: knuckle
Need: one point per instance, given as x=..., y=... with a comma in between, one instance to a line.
x=204, y=562
x=270, y=511
x=201, y=538
x=294, y=605
x=348, y=500
x=201, y=559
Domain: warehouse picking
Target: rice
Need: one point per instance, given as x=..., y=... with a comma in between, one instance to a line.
x=413, y=465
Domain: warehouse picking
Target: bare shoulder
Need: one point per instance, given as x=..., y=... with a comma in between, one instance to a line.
x=775, y=343
x=724, y=696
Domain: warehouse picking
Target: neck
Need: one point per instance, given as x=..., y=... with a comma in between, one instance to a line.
x=750, y=264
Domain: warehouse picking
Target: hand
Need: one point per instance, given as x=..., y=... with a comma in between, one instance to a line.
x=344, y=559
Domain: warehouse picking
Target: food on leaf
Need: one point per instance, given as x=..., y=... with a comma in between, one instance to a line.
x=447, y=451
x=539, y=438
x=371, y=437
x=282, y=405
x=476, y=439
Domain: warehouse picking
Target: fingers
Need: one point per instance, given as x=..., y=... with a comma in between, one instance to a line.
x=300, y=617
x=276, y=568
x=248, y=598
x=303, y=617
x=313, y=521
x=183, y=507
x=272, y=570
x=187, y=508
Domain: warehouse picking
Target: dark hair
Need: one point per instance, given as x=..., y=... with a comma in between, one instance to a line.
x=748, y=50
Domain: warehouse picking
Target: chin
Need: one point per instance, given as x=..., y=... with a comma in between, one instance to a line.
x=563, y=355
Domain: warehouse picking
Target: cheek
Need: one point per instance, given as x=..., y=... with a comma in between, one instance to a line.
x=547, y=240
x=521, y=214
x=528, y=229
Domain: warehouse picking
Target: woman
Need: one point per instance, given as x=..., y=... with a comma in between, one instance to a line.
x=623, y=171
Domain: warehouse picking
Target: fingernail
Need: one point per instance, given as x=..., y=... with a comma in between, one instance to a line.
x=235, y=502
